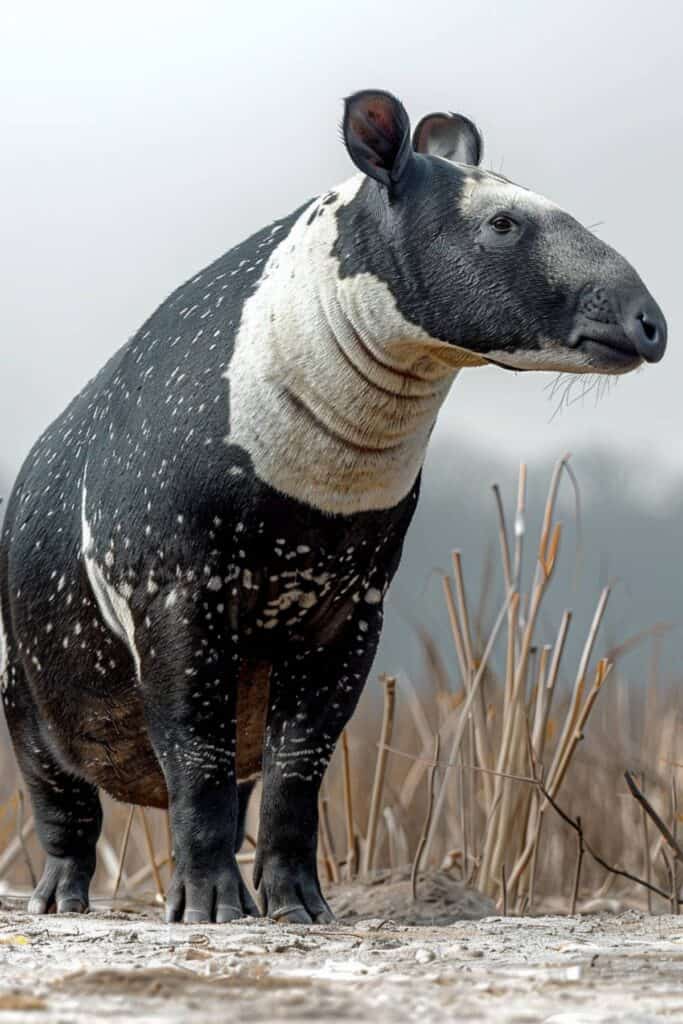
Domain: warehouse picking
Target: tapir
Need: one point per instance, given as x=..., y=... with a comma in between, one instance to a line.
x=196, y=553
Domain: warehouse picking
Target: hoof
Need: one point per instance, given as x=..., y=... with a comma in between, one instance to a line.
x=208, y=899
x=63, y=887
x=290, y=894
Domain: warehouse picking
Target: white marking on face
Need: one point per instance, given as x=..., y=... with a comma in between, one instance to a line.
x=113, y=606
x=486, y=192
x=332, y=392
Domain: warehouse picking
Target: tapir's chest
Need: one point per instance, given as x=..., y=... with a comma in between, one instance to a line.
x=270, y=569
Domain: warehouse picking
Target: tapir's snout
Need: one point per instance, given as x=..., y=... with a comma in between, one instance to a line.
x=644, y=325
x=618, y=327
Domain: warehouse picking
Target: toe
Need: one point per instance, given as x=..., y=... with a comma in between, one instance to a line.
x=226, y=912
x=175, y=904
x=314, y=901
x=292, y=914
x=200, y=899
x=194, y=915
x=38, y=905
x=71, y=905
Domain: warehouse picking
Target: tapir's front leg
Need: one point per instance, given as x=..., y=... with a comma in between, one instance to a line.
x=313, y=695
x=189, y=680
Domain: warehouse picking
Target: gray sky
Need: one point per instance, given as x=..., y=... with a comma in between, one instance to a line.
x=141, y=140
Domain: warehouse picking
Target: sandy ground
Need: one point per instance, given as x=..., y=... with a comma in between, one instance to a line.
x=129, y=966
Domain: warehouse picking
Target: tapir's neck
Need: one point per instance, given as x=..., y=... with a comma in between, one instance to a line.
x=332, y=392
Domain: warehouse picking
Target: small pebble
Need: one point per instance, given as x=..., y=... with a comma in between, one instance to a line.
x=424, y=956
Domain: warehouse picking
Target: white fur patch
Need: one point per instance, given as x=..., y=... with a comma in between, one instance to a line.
x=113, y=606
x=332, y=392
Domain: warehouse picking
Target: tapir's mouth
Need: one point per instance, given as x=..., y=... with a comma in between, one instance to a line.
x=607, y=346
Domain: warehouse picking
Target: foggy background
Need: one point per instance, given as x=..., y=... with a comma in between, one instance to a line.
x=139, y=141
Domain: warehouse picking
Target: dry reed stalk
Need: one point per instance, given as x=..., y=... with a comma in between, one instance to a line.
x=646, y=845
x=420, y=764
x=428, y=818
x=504, y=888
x=15, y=847
x=503, y=538
x=330, y=860
x=530, y=800
x=673, y=893
x=22, y=838
x=602, y=671
x=123, y=851
x=577, y=872
x=348, y=809
x=498, y=827
x=458, y=641
x=546, y=526
x=142, y=874
x=464, y=651
x=464, y=827
x=536, y=843
x=520, y=525
x=462, y=722
x=152, y=855
x=665, y=832
x=398, y=844
x=559, y=763
x=674, y=832
x=573, y=737
x=482, y=738
x=540, y=699
x=6, y=807
x=389, y=684
x=558, y=651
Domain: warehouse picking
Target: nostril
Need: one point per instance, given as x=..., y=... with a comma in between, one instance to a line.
x=649, y=329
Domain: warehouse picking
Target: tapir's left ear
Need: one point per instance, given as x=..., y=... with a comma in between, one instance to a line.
x=376, y=132
x=451, y=136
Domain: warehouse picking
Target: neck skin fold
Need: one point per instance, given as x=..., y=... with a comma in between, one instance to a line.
x=334, y=393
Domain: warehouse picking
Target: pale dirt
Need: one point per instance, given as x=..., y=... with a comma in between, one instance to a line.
x=129, y=966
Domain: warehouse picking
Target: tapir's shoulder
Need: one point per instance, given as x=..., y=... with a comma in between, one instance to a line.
x=227, y=282
x=179, y=351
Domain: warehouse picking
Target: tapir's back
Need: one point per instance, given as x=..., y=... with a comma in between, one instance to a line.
x=153, y=418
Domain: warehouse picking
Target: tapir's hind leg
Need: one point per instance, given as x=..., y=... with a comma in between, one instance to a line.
x=66, y=809
x=312, y=698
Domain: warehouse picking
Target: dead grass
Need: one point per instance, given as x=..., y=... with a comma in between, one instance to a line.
x=489, y=767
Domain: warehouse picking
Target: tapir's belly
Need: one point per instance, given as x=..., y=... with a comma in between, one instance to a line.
x=110, y=745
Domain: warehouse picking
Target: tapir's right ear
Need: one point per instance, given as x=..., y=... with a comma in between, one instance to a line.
x=451, y=136
x=376, y=132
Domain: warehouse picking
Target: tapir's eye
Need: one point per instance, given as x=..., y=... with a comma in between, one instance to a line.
x=502, y=223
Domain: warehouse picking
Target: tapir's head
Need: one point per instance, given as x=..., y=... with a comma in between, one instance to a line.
x=482, y=263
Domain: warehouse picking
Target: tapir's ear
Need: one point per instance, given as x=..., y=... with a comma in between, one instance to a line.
x=376, y=132
x=451, y=136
